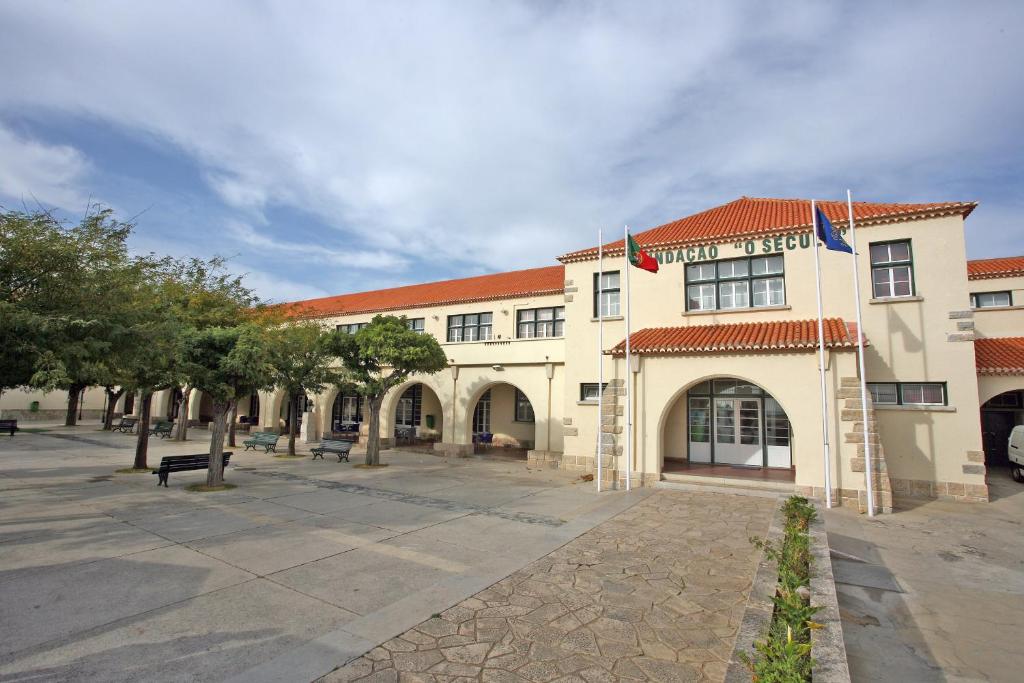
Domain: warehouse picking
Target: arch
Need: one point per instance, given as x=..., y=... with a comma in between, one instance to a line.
x=504, y=420
x=174, y=399
x=410, y=405
x=999, y=415
x=773, y=425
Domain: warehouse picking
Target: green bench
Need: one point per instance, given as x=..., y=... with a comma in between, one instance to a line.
x=266, y=439
x=162, y=429
x=9, y=426
x=126, y=425
x=339, y=448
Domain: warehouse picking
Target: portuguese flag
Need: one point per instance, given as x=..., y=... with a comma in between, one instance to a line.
x=640, y=258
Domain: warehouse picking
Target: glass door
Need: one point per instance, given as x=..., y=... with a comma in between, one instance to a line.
x=738, y=432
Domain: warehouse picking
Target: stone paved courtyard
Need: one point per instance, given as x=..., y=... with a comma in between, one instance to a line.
x=656, y=593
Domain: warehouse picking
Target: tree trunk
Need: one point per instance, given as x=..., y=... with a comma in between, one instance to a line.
x=112, y=398
x=181, y=429
x=74, y=393
x=215, y=473
x=373, y=404
x=293, y=423
x=142, y=440
x=231, y=424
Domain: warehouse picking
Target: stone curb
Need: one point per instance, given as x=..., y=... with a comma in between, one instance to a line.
x=757, y=615
x=828, y=650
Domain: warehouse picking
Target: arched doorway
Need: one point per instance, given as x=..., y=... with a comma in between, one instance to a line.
x=347, y=413
x=249, y=410
x=205, y=412
x=999, y=415
x=417, y=415
x=174, y=403
x=502, y=417
x=304, y=404
x=729, y=422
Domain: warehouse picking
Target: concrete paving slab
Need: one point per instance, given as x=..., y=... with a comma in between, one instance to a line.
x=270, y=549
x=100, y=540
x=480, y=532
x=398, y=516
x=324, y=500
x=366, y=579
x=60, y=600
x=202, y=639
x=864, y=575
x=214, y=521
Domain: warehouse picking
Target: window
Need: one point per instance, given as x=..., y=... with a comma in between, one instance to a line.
x=540, y=322
x=409, y=407
x=590, y=392
x=757, y=281
x=606, y=294
x=414, y=324
x=352, y=328
x=469, y=327
x=892, y=270
x=908, y=393
x=482, y=414
x=991, y=299
x=524, y=411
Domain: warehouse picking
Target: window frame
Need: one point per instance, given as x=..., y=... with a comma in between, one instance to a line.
x=1007, y=292
x=900, y=399
x=598, y=291
x=520, y=399
x=481, y=415
x=478, y=327
x=717, y=280
x=583, y=391
x=909, y=263
x=347, y=328
x=411, y=323
x=554, y=321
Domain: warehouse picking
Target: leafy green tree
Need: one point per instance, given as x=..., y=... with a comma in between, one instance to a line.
x=380, y=357
x=225, y=363
x=302, y=360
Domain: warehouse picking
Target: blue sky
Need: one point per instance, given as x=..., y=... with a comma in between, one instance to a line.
x=331, y=147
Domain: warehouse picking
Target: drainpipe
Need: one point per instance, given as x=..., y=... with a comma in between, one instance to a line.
x=549, y=370
x=455, y=381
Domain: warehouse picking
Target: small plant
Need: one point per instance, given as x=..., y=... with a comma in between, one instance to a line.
x=784, y=656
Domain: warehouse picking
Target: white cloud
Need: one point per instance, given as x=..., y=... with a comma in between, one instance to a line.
x=312, y=252
x=32, y=171
x=276, y=289
x=497, y=135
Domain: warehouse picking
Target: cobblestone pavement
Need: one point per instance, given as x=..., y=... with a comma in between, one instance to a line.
x=656, y=593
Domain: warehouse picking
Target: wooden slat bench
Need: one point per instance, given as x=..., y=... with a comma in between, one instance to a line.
x=184, y=463
x=126, y=425
x=162, y=429
x=339, y=448
x=9, y=426
x=266, y=439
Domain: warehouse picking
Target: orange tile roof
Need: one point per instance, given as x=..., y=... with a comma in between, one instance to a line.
x=749, y=217
x=999, y=356
x=778, y=335
x=985, y=269
x=531, y=282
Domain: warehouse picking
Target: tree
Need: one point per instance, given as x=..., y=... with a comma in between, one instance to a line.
x=301, y=357
x=225, y=363
x=381, y=356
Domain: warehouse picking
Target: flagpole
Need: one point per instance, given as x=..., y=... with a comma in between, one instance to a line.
x=629, y=393
x=821, y=357
x=600, y=355
x=868, y=467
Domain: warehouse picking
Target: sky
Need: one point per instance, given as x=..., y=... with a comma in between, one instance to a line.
x=330, y=147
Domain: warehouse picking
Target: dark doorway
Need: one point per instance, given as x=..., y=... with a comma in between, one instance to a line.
x=999, y=415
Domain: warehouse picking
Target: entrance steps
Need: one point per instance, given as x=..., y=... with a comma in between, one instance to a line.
x=735, y=486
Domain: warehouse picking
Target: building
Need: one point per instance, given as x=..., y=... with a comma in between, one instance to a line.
x=725, y=370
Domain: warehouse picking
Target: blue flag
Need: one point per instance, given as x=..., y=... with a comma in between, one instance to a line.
x=831, y=236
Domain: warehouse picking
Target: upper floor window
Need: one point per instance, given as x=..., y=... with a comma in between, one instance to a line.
x=991, y=299
x=524, y=411
x=414, y=324
x=352, y=328
x=908, y=393
x=757, y=281
x=892, y=269
x=469, y=327
x=540, y=322
x=606, y=294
